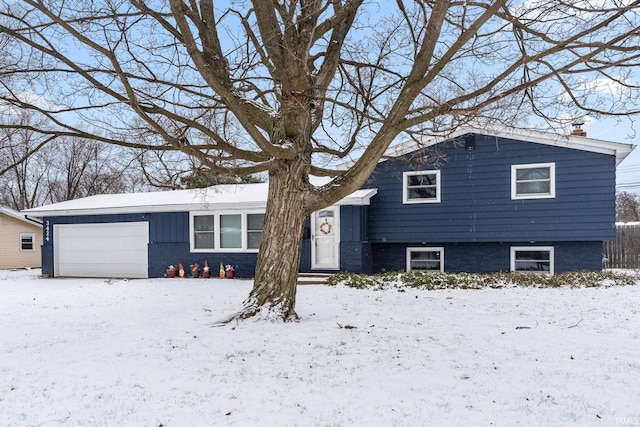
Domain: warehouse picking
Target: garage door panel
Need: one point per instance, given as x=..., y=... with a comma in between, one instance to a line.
x=102, y=250
x=98, y=257
x=111, y=243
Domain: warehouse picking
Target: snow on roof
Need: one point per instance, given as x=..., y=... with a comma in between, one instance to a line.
x=219, y=197
x=19, y=216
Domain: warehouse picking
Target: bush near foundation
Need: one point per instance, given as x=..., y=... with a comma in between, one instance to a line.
x=434, y=281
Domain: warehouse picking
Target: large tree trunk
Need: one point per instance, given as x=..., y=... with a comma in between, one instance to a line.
x=273, y=296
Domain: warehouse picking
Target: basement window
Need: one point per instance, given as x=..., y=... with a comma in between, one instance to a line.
x=532, y=259
x=425, y=259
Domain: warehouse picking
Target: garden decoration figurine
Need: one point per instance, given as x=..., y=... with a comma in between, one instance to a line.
x=180, y=270
x=221, y=271
x=205, y=270
x=229, y=272
x=195, y=270
x=171, y=271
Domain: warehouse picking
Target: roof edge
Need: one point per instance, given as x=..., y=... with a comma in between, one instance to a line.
x=20, y=216
x=618, y=149
x=357, y=198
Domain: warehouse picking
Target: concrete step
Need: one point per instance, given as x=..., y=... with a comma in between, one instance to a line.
x=313, y=278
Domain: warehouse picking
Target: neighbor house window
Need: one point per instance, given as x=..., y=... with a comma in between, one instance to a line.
x=228, y=232
x=421, y=187
x=533, y=181
x=27, y=242
x=532, y=259
x=425, y=259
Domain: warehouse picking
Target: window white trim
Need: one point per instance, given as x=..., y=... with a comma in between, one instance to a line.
x=192, y=242
x=405, y=187
x=425, y=249
x=515, y=249
x=216, y=235
x=552, y=181
x=30, y=236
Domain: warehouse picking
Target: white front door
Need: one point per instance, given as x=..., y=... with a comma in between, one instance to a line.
x=325, y=239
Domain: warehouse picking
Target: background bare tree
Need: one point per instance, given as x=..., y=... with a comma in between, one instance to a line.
x=627, y=207
x=24, y=163
x=85, y=168
x=37, y=170
x=292, y=87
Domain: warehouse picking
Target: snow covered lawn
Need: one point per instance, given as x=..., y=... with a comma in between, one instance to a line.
x=142, y=353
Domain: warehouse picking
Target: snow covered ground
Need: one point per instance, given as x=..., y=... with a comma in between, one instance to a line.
x=142, y=353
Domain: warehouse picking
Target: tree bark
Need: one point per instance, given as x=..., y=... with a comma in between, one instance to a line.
x=273, y=296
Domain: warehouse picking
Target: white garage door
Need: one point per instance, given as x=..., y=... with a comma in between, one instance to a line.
x=102, y=250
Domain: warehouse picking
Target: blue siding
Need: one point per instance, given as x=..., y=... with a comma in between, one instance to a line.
x=476, y=221
x=490, y=257
x=168, y=243
x=476, y=203
x=355, y=250
x=48, y=226
x=161, y=255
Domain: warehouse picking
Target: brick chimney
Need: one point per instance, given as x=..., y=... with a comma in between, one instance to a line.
x=577, y=129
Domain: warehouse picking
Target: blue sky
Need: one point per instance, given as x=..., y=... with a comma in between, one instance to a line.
x=628, y=172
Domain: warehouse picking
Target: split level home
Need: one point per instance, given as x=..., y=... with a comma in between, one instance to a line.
x=20, y=240
x=478, y=200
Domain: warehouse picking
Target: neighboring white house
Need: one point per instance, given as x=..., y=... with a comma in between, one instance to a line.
x=20, y=240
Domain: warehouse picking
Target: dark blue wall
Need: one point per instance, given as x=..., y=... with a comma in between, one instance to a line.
x=168, y=243
x=476, y=203
x=355, y=249
x=476, y=221
x=490, y=257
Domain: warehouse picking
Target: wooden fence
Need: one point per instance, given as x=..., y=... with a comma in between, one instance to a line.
x=624, y=252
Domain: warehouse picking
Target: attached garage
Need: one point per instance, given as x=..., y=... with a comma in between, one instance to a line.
x=102, y=250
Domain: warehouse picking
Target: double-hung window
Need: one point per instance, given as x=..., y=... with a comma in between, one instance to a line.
x=27, y=242
x=226, y=232
x=532, y=259
x=533, y=181
x=421, y=187
x=425, y=259
x=203, y=234
x=254, y=230
x=231, y=231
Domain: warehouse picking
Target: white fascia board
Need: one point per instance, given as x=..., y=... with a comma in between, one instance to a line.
x=617, y=149
x=147, y=209
x=20, y=216
x=358, y=198
x=126, y=204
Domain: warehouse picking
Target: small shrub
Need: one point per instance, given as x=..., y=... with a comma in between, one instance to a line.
x=439, y=281
x=358, y=281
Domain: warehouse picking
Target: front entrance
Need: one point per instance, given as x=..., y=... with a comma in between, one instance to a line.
x=325, y=239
